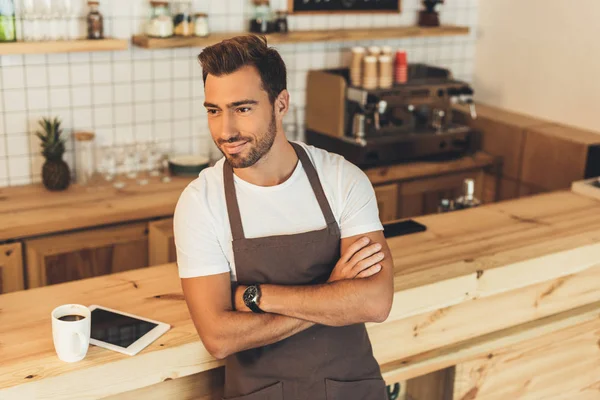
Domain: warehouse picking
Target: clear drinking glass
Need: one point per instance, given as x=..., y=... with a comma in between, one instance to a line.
x=154, y=159
x=132, y=161
x=120, y=156
x=143, y=163
x=166, y=151
x=27, y=18
x=107, y=164
x=43, y=12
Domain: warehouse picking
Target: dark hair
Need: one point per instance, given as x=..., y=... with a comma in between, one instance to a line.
x=232, y=54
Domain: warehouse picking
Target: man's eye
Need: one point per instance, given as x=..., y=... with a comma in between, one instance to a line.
x=244, y=109
x=212, y=112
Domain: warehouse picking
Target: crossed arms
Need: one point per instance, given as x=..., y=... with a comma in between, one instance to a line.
x=360, y=289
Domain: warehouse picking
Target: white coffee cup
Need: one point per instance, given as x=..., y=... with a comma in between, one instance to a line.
x=71, y=325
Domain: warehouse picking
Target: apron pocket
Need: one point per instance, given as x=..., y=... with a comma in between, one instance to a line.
x=273, y=392
x=368, y=389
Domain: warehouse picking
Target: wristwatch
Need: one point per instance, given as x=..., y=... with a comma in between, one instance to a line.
x=252, y=297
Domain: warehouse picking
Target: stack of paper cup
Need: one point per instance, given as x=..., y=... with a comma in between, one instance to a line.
x=387, y=50
x=401, y=71
x=356, y=66
x=374, y=50
x=386, y=72
x=370, y=73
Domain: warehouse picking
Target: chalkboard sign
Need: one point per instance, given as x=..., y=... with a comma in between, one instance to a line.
x=344, y=6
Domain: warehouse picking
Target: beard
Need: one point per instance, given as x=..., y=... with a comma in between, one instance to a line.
x=256, y=151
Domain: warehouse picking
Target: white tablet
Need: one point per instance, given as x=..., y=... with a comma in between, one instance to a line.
x=123, y=332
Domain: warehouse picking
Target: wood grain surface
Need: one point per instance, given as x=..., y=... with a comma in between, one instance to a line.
x=525, y=259
x=328, y=35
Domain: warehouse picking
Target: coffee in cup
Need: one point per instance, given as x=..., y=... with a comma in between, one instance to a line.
x=71, y=326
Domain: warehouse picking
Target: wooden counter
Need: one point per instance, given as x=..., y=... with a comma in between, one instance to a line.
x=29, y=211
x=32, y=210
x=472, y=274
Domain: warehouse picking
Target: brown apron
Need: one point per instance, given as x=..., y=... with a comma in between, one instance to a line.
x=322, y=362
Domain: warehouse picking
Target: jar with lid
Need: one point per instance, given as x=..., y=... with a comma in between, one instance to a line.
x=263, y=21
x=160, y=24
x=84, y=157
x=182, y=18
x=281, y=24
x=95, y=21
x=201, y=25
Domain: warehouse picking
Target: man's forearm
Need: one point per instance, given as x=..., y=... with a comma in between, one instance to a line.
x=234, y=331
x=339, y=303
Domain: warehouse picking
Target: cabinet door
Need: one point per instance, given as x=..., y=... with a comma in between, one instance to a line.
x=161, y=242
x=11, y=268
x=387, y=202
x=422, y=196
x=73, y=256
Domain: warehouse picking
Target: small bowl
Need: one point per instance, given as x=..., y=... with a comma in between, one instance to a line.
x=187, y=165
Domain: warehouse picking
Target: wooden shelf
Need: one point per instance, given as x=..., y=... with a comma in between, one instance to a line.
x=63, y=46
x=337, y=35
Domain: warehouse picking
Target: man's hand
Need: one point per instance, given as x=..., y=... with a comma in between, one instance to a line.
x=359, y=261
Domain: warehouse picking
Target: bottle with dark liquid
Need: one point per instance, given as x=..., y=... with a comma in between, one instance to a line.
x=467, y=200
x=95, y=22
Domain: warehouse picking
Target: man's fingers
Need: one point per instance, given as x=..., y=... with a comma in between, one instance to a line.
x=366, y=263
x=364, y=254
x=369, y=271
x=354, y=247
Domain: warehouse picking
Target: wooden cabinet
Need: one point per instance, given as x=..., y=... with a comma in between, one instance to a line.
x=387, y=202
x=161, y=242
x=78, y=255
x=423, y=196
x=11, y=268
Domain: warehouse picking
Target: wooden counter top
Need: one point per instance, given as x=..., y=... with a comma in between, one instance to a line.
x=32, y=210
x=471, y=273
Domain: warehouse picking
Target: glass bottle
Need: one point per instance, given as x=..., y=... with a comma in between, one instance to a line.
x=95, y=21
x=182, y=18
x=160, y=24
x=8, y=32
x=201, y=28
x=85, y=154
x=281, y=24
x=467, y=200
x=262, y=22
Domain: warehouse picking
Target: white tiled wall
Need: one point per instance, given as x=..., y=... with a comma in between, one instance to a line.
x=142, y=95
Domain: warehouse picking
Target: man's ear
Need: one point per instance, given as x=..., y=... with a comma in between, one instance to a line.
x=282, y=103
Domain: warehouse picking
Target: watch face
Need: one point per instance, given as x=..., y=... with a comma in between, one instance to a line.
x=250, y=294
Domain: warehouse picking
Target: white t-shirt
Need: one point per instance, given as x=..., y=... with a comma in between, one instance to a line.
x=201, y=223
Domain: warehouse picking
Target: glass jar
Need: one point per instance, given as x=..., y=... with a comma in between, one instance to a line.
x=182, y=18
x=281, y=24
x=95, y=22
x=85, y=153
x=201, y=25
x=262, y=22
x=8, y=31
x=160, y=24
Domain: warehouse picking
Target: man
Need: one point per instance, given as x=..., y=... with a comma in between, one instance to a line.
x=296, y=229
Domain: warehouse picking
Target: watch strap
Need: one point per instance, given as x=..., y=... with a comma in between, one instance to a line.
x=255, y=308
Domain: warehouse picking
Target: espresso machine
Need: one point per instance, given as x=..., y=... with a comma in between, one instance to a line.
x=372, y=127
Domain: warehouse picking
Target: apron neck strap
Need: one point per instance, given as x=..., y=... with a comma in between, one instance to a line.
x=233, y=208
x=315, y=183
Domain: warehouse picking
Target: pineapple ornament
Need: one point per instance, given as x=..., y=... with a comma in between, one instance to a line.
x=55, y=172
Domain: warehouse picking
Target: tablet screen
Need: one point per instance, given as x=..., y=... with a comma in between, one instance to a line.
x=117, y=329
